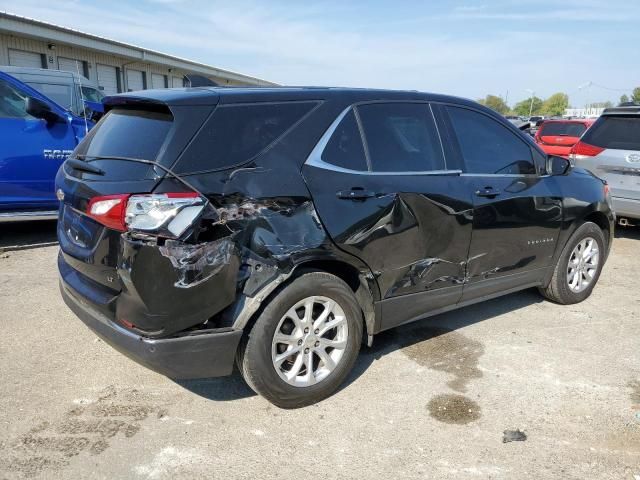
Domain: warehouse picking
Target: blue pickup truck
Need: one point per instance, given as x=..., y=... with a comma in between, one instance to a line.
x=36, y=136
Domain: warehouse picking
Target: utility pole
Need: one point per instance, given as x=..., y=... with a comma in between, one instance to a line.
x=533, y=94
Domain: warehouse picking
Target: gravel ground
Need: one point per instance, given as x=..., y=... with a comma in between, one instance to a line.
x=438, y=399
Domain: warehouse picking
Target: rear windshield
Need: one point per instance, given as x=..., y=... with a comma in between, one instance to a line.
x=127, y=133
x=617, y=132
x=235, y=134
x=563, y=129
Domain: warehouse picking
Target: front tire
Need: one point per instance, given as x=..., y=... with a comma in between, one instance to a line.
x=578, y=267
x=304, y=343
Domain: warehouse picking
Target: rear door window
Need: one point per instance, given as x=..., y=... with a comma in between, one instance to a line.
x=345, y=148
x=401, y=137
x=489, y=147
x=235, y=134
x=615, y=132
x=127, y=133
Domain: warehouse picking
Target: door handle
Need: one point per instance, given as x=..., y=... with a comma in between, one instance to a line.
x=487, y=192
x=356, y=193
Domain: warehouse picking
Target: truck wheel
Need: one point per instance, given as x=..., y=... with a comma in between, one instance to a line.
x=304, y=343
x=578, y=267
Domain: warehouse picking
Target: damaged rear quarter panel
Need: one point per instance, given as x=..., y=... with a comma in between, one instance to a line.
x=265, y=225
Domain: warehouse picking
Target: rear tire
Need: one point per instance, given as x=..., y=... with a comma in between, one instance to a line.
x=578, y=267
x=318, y=322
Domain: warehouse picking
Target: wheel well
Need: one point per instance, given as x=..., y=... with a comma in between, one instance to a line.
x=343, y=271
x=601, y=220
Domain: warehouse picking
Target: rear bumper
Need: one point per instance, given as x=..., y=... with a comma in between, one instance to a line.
x=26, y=216
x=202, y=354
x=626, y=207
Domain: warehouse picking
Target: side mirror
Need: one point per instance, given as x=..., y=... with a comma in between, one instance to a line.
x=93, y=110
x=558, y=165
x=40, y=109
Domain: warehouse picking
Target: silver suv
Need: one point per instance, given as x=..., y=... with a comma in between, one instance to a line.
x=611, y=150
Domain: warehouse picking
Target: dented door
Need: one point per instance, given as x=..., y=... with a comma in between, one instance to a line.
x=412, y=229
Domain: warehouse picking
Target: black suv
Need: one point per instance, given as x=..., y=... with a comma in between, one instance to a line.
x=283, y=227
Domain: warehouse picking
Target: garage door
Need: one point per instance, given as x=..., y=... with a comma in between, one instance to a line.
x=135, y=80
x=107, y=79
x=176, y=82
x=20, y=58
x=71, y=65
x=158, y=81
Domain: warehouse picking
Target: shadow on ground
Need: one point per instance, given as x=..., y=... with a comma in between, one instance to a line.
x=21, y=234
x=401, y=338
x=632, y=233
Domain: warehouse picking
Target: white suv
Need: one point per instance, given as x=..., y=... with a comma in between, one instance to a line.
x=611, y=150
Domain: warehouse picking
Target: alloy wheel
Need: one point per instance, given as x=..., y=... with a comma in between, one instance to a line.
x=583, y=264
x=309, y=341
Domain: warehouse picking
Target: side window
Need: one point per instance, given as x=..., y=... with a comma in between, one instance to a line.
x=12, y=101
x=487, y=146
x=236, y=133
x=344, y=148
x=61, y=94
x=401, y=137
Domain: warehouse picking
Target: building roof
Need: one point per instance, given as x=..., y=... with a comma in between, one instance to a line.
x=29, y=27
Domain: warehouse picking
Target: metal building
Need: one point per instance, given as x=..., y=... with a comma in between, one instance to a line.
x=114, y=66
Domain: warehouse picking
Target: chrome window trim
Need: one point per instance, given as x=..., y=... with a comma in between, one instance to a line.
x=315, y=157
x=435, y=122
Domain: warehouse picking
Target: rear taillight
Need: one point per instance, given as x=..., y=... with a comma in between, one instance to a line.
x=164, y=214
x=109, y=211
x=582, y=150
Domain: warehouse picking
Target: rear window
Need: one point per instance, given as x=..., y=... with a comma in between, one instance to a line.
x=563, y=129
x=235, y=134
x=401, y=137
x=127, y=133
x=617, y=132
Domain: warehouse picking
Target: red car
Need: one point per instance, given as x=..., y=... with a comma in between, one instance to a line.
x=556, y=137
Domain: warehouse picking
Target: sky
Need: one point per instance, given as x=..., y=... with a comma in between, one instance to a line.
x=468, y=48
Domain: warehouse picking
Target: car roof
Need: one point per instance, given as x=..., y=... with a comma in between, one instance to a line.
x=627, y=110
x=224, y=95
x=570, y=120
x=33, y=74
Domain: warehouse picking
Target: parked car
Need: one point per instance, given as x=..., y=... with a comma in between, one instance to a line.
x=281, y=227
x=70, y=90
x=557, y=137
x=535, y=123
x=611, y=150
x=36, y=136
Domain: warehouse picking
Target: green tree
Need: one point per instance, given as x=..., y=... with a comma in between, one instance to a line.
x=495, y=103
x=635, y=95
x=522, y=108
x=555, y=104
x=624, y=98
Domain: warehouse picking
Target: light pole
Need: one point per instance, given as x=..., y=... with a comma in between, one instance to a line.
x=533, y=94
x=586, y=105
